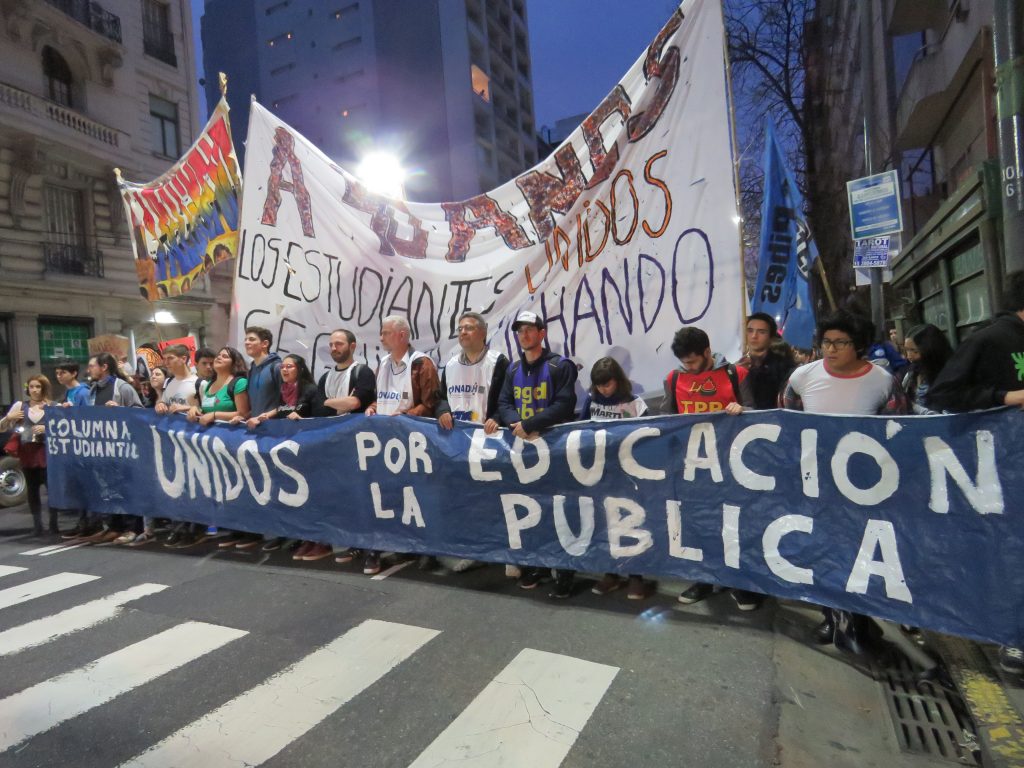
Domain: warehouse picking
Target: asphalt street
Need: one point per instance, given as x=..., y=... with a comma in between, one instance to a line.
x=203, y=657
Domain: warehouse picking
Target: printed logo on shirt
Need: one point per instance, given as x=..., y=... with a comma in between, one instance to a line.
x=527, y=396
x=708, y=388
x=465, y=389
x=1018, y=361
x=465, y=415
x=389, y=396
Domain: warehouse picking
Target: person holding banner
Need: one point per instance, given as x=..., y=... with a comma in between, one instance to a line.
x=264, y=376
x=27, y=419
x=987, y=371
x=470, y=384
x=348, y=387
x=844, y=382
x=109, y=385
x=706, y=383
x=406, y=385
x=611, y=397
x=539, y=391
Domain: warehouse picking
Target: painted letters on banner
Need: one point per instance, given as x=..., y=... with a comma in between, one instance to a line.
x=186, y=221
x=911, y=519
x=626, y=233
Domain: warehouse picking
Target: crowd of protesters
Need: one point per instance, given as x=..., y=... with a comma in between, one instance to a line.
x=849, y=372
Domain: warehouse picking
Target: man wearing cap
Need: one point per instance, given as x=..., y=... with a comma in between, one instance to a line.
x=539, y=392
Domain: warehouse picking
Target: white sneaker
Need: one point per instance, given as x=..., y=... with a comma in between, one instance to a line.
x=513, y=571
x=463, y=565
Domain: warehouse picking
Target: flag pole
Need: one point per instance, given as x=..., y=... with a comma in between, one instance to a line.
x=825, y=284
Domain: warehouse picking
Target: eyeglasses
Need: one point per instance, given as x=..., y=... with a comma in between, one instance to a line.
x=466, y=328
x=835, y=343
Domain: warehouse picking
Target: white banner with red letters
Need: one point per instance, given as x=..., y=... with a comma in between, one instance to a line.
x=626, y=233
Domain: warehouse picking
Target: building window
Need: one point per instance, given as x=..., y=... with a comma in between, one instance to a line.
x=157, y=40
x=279, y=39
x=163, y=116
x=58, y=77
x=64, y=248
x=481, y=82
x=283, y=68
x=278, y=7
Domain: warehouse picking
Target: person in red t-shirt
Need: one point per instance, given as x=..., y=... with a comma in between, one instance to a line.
x=707, y=383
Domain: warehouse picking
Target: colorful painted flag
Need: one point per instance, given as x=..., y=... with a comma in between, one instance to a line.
x=787, y=250
x=186, y=221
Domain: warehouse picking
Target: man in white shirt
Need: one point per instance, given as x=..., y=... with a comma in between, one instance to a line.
x=844, y=382
x=180, y=392
x=470, y=384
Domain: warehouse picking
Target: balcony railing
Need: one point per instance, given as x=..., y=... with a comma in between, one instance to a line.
x=64, y=259
x=57, y=113
x=160, y=48
x=93, y=15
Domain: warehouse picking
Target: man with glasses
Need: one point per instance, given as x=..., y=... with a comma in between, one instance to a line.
x=844, y=382
x=539, y=391
x=470, y=384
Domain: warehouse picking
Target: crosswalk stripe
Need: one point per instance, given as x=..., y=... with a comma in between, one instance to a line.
x=528, y=716
x=64, y=548
x=73, y=619
x=45, y=586
x=42, y=550
x=51, y=702
x=7, y=570
x=255, y=726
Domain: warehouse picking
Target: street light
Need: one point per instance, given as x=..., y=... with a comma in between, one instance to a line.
x=383, y=174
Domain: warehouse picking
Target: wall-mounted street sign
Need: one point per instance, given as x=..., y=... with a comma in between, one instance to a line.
x=875, y=205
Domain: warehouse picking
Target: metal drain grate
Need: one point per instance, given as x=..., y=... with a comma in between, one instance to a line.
x=929, y=720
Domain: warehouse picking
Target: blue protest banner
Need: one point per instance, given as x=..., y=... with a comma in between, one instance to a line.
x=787, y=250
x=911, y=519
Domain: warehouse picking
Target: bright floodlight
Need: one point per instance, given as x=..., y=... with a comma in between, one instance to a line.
x=382, y=173
x=163, y=317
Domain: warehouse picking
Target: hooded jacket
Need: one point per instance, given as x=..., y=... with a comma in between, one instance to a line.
x=987, y=365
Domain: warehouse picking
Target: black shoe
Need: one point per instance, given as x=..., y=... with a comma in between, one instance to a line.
x=1011, y=660
x=695, y=593
x=371, y=565
x=562, y=588
x=825, y=632
x=187, y=540
x=272, y=545
x=531, y=578
x=747, y=601
x=173, y=539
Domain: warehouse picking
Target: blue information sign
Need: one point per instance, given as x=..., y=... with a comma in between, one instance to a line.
x=875, y=205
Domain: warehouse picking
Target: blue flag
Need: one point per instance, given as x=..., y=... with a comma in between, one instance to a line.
x=787, y=250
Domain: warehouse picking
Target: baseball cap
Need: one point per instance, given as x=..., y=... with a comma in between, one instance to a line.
x=527, y=318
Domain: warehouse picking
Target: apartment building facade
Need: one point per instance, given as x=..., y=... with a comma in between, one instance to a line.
x=922, y=90
x=86, y=87
x=444, y=86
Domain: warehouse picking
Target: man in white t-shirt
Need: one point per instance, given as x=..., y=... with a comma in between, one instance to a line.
x=470, y=384
x=180, y=391
x=844, y=382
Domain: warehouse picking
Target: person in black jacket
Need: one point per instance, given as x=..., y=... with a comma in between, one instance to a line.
x=348, y=387
x=298, y=393
x=539, y=392
x=767, y=370
x=986, y=371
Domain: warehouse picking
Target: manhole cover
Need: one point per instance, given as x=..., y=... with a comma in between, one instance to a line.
x=929, y=720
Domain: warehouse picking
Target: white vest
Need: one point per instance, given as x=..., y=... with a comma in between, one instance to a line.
x=468, y=386
x=394, y=383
